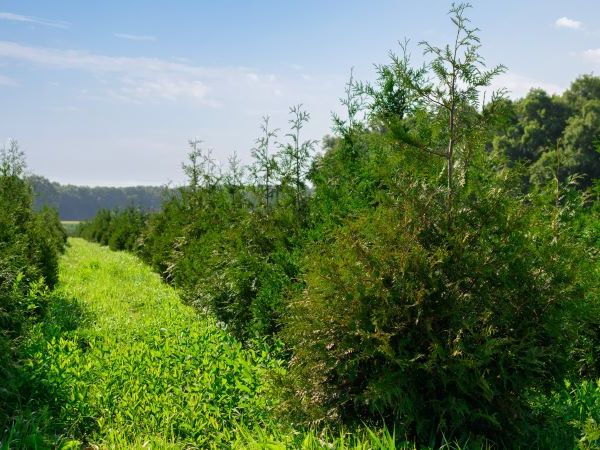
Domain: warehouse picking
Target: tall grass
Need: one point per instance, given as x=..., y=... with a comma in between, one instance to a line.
x=142, y=366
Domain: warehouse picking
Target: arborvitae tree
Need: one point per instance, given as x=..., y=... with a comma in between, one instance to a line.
x=119, y=229
x=201, y=169
x=12, y=160
x=192, y=168
x=30, y=244
x=296, y=155
x=447, y=87
x=434, y=303
x=264, y=169
x=235, y=178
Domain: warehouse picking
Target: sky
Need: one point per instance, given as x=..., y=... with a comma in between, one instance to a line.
x=110, y=93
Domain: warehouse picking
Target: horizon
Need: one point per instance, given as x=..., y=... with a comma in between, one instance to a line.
x=109, y=94
x=123, y=184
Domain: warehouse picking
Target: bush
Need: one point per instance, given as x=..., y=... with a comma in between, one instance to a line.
x=119, y=229
x=29, y=247
x=246, y=274
x=437, y=329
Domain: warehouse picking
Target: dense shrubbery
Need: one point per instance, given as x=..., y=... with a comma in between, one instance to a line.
x=30, y=244
x=233, y=248
x=436, y=329
x=418, y=283
x=119, y=229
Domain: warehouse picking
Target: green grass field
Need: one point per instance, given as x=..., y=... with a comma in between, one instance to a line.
x=127, y=364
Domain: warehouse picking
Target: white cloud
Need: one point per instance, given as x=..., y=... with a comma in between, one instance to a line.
x=519, y=85
x=142, y=78
x=166, y=88
x=165, y=100
x=91, y=62
x=565, y=22
x=592, y=55
x=135, y=37
x=34, y=20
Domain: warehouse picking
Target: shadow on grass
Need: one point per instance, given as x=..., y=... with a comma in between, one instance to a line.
x=32, y=399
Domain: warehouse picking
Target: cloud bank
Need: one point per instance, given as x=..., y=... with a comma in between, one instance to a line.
x=34, y=20
x=519, y=85
x=592, y=55
x=150, y=79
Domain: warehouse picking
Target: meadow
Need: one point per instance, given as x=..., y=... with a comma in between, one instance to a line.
x=121, y=362
x=124, y=362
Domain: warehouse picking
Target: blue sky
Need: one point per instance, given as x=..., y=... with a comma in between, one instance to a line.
x=108, y=93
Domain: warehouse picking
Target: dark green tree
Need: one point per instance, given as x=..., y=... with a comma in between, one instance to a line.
x=438, y=295
x=447, y=89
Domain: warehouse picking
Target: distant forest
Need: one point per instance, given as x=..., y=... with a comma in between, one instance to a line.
x=84, y=202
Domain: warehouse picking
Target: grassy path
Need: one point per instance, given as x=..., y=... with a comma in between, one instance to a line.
x=125, y=364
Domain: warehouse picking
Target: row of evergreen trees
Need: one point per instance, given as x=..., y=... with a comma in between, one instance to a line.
x=30, y=244
x=426, y=279
x=118, y=229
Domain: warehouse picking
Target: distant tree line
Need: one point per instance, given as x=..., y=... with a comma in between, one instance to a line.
x=441, y=275
x=83, y=202
x=550, y=133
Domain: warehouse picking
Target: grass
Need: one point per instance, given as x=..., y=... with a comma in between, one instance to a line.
x=141, y=367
